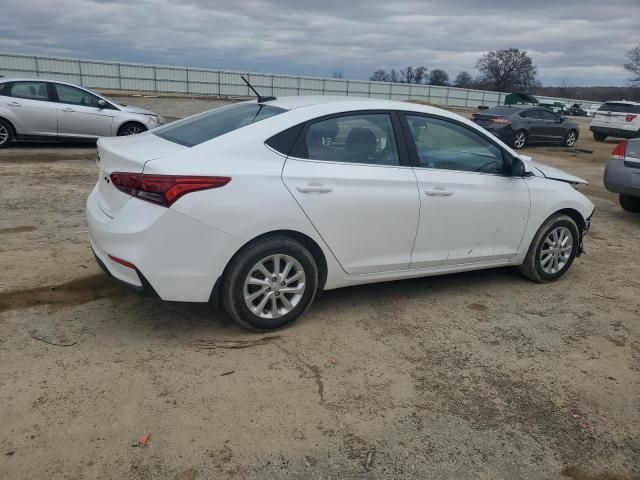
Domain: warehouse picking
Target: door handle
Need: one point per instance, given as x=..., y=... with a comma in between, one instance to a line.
x=67, y=109
x=438, y=193
x=313, y=188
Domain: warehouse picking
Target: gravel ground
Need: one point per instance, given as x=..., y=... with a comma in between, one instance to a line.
x=477, y=375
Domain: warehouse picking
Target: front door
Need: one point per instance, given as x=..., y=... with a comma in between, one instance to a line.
x=79, y=114
x=346, y=173
x=471, y=209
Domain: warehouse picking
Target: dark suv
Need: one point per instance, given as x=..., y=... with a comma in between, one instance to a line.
x=519, y=126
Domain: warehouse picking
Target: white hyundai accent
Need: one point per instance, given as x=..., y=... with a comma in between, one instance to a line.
x=259, y=205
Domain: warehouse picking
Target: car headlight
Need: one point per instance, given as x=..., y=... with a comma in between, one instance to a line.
x=154, y=118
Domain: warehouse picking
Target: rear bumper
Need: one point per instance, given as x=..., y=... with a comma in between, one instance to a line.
x=170, y=254
x=614, y=132
x=506, y=134
x=620, y=178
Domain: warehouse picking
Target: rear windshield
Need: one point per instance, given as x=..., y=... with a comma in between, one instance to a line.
x=619, y=107
x=205, y=126
x=505, y=111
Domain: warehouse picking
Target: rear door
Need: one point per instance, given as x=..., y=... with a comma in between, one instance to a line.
x=553, y=130
x=79, y=114
x=536, y=126
x=350, y=175
x=29, y=106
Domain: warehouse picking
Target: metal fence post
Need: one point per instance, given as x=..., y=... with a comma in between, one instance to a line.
x=80, y=71
x=155, y=79
x=347, y=88
x=188, y=82
x=37, y=68
x=369, y=93
x=219, y=82
x=273, y=92
x=466, y=100
x=323, y=86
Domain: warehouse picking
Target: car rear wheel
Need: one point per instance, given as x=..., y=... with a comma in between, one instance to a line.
x=6, y=134
x=520, y=139
x=599, y=137
x=552, y=250
x=629, y=203
x=570, y=138
x=131, y=128
x=270, y=283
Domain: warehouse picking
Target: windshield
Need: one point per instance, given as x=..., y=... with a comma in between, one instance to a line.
x=205, y=126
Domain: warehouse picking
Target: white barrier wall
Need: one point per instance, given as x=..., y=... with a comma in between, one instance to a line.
x=200, y=81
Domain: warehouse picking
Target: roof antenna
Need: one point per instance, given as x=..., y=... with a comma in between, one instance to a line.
x=261, y=99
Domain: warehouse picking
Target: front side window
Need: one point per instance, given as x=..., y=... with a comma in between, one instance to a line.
x=206, y=126
x=75, y=96
x=446, y=145
x=365, y=138
x=548, y=116
x=29, y=90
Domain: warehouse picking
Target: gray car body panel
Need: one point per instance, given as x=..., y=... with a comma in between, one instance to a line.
x=622, y=175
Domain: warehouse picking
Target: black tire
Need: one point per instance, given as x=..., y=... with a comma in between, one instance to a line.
x=516, y=140
x=128, y=127
x=629, y=203
x=241, y=266
x=6, y=134
x=599, y=137
x=570, y=141
x=532, y=265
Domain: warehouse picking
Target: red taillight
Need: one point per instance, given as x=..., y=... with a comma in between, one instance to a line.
x=123, y=262
x=620, y=151
x=163, y=189
x=501, y=121
x=630, y=117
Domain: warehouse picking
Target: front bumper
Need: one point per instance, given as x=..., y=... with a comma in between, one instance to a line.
x=620, y=177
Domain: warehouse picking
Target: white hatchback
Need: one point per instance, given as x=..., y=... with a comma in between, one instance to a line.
x=257, y=206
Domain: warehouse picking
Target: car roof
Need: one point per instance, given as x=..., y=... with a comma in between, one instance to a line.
x=8, y=79
x=627, y=102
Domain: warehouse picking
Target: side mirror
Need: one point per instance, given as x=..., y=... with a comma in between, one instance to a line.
x=520, y=168
x=102, y=103
x=561, y=119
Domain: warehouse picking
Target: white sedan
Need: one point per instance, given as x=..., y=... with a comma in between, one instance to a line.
x=258, y=205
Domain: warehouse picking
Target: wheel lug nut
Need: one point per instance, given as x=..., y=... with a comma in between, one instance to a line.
x=282, y=284
x=277, y=294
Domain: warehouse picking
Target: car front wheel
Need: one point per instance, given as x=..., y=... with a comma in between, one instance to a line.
x=599, y=137
x=570, y=139
x=131, y=128
x=552, y=250
x=270, y=283
x=6, y=134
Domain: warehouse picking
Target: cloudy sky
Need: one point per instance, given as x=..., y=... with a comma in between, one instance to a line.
x=580, y=41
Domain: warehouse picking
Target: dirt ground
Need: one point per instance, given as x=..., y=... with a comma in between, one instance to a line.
x=478, y=375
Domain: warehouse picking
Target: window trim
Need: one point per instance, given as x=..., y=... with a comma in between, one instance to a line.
x=507, y=158
x=9, y=87
x=401, y=147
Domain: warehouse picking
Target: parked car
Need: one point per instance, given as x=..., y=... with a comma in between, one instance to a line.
x=591, y=111
x=622, y=175
x=257, y=206
x=520, y=126
x=37, y=109
x=575, y=110
x=616, y=119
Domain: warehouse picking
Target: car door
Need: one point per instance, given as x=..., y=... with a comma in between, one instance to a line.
x=351, y=177
x=29, y=108
x=79, y=114
x=471, y=210
x=553, y=129
x=535, y=125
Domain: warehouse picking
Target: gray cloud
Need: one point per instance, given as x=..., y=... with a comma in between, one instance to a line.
x=582, y=42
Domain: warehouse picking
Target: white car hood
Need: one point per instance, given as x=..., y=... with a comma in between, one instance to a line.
x=132, y=109
x=542, y=170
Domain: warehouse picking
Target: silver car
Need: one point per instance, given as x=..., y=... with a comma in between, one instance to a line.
x=37, y=109
x=622, y=175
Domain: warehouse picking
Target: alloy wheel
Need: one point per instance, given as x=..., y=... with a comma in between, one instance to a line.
x=520, y=140
x=4, y=134
x=556, y=250
x=274, y=286
x=132, y=130
x=571, y=139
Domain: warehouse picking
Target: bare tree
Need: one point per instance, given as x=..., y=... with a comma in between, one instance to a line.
x=380, y=75
x=438, y=77
x=394, y=76
x=413, y=74
x=337, y=74
x=634, y=65
x=508, y=69
x=463, y=80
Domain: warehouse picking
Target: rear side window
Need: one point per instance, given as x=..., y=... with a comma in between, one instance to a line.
x=28, y=90
x=354, y=138
x=200, y=128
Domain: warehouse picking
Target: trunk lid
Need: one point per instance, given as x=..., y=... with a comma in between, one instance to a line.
x=127, y=154
x=484, y=119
